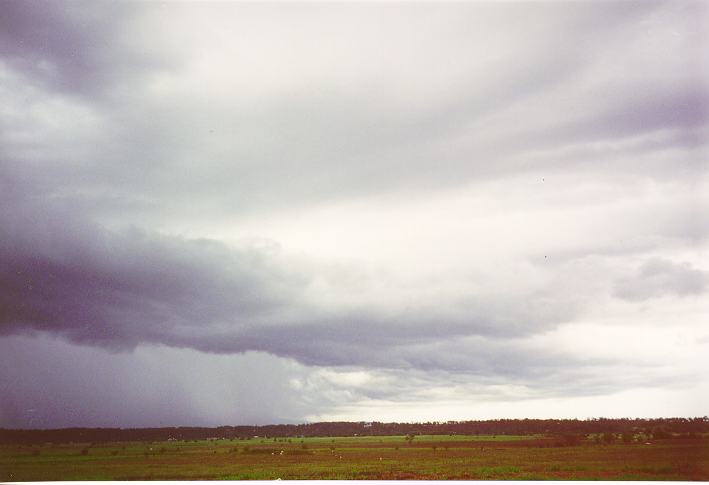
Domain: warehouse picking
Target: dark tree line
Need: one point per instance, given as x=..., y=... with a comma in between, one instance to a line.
x=658, y=428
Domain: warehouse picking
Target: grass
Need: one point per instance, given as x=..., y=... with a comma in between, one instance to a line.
x=389, y=457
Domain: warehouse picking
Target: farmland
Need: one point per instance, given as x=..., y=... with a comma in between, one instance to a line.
x=432, y=457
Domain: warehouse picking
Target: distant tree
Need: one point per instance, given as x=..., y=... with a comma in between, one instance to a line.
x=409, y=438
x=568, y=440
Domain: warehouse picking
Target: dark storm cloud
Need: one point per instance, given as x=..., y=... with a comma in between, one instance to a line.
x=122, y=290
x=66, y=276
x=76, y=279
x=50, y=383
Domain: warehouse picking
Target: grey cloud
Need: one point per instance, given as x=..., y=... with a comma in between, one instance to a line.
x=684, y=108
x=326, y=142
x=68, y=276
x=50, y=383
x=114, y=140
x=75, y=47
x=660, y=277
x=508, y=371
x=77, y=279
x=393, y=337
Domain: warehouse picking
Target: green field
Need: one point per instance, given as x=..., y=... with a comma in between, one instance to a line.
x=387, y=457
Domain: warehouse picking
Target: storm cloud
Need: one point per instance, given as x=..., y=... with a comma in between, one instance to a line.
x=118, y=289
x=369, y=200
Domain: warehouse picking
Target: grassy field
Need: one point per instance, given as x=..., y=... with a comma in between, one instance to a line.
x=388, y=457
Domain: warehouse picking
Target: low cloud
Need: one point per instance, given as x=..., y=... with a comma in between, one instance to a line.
x=51, y=383
x=91, y=285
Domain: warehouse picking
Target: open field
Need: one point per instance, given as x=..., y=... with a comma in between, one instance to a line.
x=371, y=457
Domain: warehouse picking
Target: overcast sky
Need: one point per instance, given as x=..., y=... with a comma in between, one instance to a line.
x=236, y=213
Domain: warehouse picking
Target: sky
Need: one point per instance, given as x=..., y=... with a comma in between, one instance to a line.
x=250, y=213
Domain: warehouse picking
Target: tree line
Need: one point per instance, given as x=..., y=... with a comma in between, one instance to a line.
x=658, y=428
